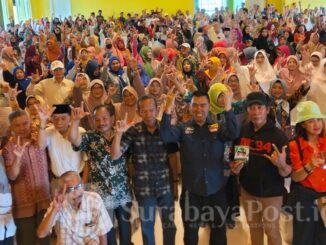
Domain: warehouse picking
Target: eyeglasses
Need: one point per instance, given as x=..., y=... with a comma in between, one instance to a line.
x=74, y=188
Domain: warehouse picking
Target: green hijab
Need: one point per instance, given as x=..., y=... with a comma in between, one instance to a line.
x=147, y=61
x=214, y=92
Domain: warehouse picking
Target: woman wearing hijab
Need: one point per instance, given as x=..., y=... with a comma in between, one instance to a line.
x=93, y=70
x=21, y=81
x=314, y=45
x=96, y=96
x=317, y=92
x=9, y=62
x=53, y=51
x=311, y=63
x=115, y=78
x=246, y=36
x=213, y=71
x=98, y=53
x=128, y=105
x=262, y=42
x=281, y=105
x=119, y=50
x=282, y=52
x=260, y=71
x=146, y=54
x=32, y=61
x=292, y=75
x=143, y=76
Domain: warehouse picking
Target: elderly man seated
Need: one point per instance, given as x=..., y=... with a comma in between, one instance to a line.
x=79, y=217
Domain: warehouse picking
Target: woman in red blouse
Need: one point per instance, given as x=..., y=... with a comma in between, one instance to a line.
x=308, y=154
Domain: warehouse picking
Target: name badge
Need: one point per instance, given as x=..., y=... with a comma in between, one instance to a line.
x=189, y=130
x=213, y=128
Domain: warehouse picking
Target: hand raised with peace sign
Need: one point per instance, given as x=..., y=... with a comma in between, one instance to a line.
x=59, y=198
x=19, y=148
x=122, y=126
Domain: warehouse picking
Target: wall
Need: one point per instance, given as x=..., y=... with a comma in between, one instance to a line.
x=277, y=3
x=40, y=8
x=110, y=7
x=305, y=3
x=10, y=8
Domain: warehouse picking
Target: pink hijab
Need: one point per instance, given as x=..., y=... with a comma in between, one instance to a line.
x=293, y=79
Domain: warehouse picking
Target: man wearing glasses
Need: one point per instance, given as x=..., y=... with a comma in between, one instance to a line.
x=78, y=216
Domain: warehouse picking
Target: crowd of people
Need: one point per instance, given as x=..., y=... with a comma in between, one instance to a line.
x=109, y=113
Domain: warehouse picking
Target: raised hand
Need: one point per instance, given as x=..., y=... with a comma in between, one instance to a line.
x=44, y=111
x=254, y=87
x=228, y=99
x=170, y=99
x=122, y=126
x=278, y=158
x=19, y=148
x=59, y=198
x=252, y=70
x=13, y=92
x=78, y=113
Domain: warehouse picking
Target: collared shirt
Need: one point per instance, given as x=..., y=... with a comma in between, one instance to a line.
x=7, y=225
x=150, y=158
x=201, y=151
x=31, y=189
x=54, y=92
x=316, y=180
x=107, y=177
x=63, y=157
x=83, y=226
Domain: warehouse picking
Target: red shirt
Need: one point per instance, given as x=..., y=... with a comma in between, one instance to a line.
x=316, y=180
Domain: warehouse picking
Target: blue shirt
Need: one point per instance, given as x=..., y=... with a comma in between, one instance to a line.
x=201, y=151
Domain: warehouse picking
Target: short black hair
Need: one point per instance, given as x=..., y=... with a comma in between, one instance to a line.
x=200, y=94
x=109, y=107
x=146, y=97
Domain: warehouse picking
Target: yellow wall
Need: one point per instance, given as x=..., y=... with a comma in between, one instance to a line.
x=110, y=7
x=40, y=8
x=304, y=3
x=10, y=8
x=277, y=3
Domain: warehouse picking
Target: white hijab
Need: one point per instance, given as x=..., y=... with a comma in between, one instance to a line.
x=265, y=72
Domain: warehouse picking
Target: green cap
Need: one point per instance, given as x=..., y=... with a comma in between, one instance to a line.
x=307, y=110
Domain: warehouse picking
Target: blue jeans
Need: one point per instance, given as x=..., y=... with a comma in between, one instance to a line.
x=122, y=214
x=147, y=208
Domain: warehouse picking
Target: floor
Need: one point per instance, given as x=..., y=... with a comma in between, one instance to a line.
x=237, y=236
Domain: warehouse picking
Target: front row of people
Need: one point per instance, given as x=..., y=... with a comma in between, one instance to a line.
x=82, y=217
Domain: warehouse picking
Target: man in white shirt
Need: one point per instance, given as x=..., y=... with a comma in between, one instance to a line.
x=79, y=217
x=56, y=89
x=63, y=157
